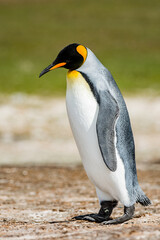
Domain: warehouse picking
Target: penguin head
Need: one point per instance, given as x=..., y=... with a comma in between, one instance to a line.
x=71, y=57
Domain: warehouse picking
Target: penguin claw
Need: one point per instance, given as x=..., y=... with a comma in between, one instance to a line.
x=108, y=222
x=91, y=218
x=119, y=220
x=115, y=221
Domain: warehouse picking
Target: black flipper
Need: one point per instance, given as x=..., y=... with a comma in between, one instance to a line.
x=108, y=113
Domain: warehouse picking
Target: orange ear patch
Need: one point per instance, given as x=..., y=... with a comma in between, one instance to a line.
x=83, y=51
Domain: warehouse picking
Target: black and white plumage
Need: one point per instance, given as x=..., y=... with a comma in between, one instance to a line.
x=101, y=127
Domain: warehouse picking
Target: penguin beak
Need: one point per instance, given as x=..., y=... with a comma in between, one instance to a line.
x=51, y=67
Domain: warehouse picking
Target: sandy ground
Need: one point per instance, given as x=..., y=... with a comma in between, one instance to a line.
x=38, y=201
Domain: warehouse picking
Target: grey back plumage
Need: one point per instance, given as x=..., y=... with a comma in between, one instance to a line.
x=104, y=87
x=125, y=142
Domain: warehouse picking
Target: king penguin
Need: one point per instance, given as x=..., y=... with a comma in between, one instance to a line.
x=101, y=127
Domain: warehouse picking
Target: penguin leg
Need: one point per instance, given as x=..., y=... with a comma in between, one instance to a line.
x=128, y=214
x=103, y=214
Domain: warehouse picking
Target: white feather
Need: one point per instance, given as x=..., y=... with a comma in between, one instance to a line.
x=82, y=111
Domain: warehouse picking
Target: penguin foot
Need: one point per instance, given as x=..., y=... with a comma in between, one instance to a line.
x=102, y=216
x=93, y=217
x=128, y=214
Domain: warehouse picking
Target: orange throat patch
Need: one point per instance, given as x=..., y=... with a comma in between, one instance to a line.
x=74, y=79
x=72, y=74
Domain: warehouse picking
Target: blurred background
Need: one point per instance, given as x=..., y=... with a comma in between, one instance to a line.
x=124, y=35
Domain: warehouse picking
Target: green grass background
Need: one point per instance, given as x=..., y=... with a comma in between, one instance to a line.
x=125, y=36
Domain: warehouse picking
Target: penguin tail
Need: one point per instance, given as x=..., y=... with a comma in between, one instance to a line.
x=142, y=198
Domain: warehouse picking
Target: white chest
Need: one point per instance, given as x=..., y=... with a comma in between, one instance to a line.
x=82, y=111
x=81, y=105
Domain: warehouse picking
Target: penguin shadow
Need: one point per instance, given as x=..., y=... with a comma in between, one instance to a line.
x=62, y=221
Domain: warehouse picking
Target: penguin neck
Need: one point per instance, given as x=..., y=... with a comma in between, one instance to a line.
x=95, y=72
x=91, y=63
